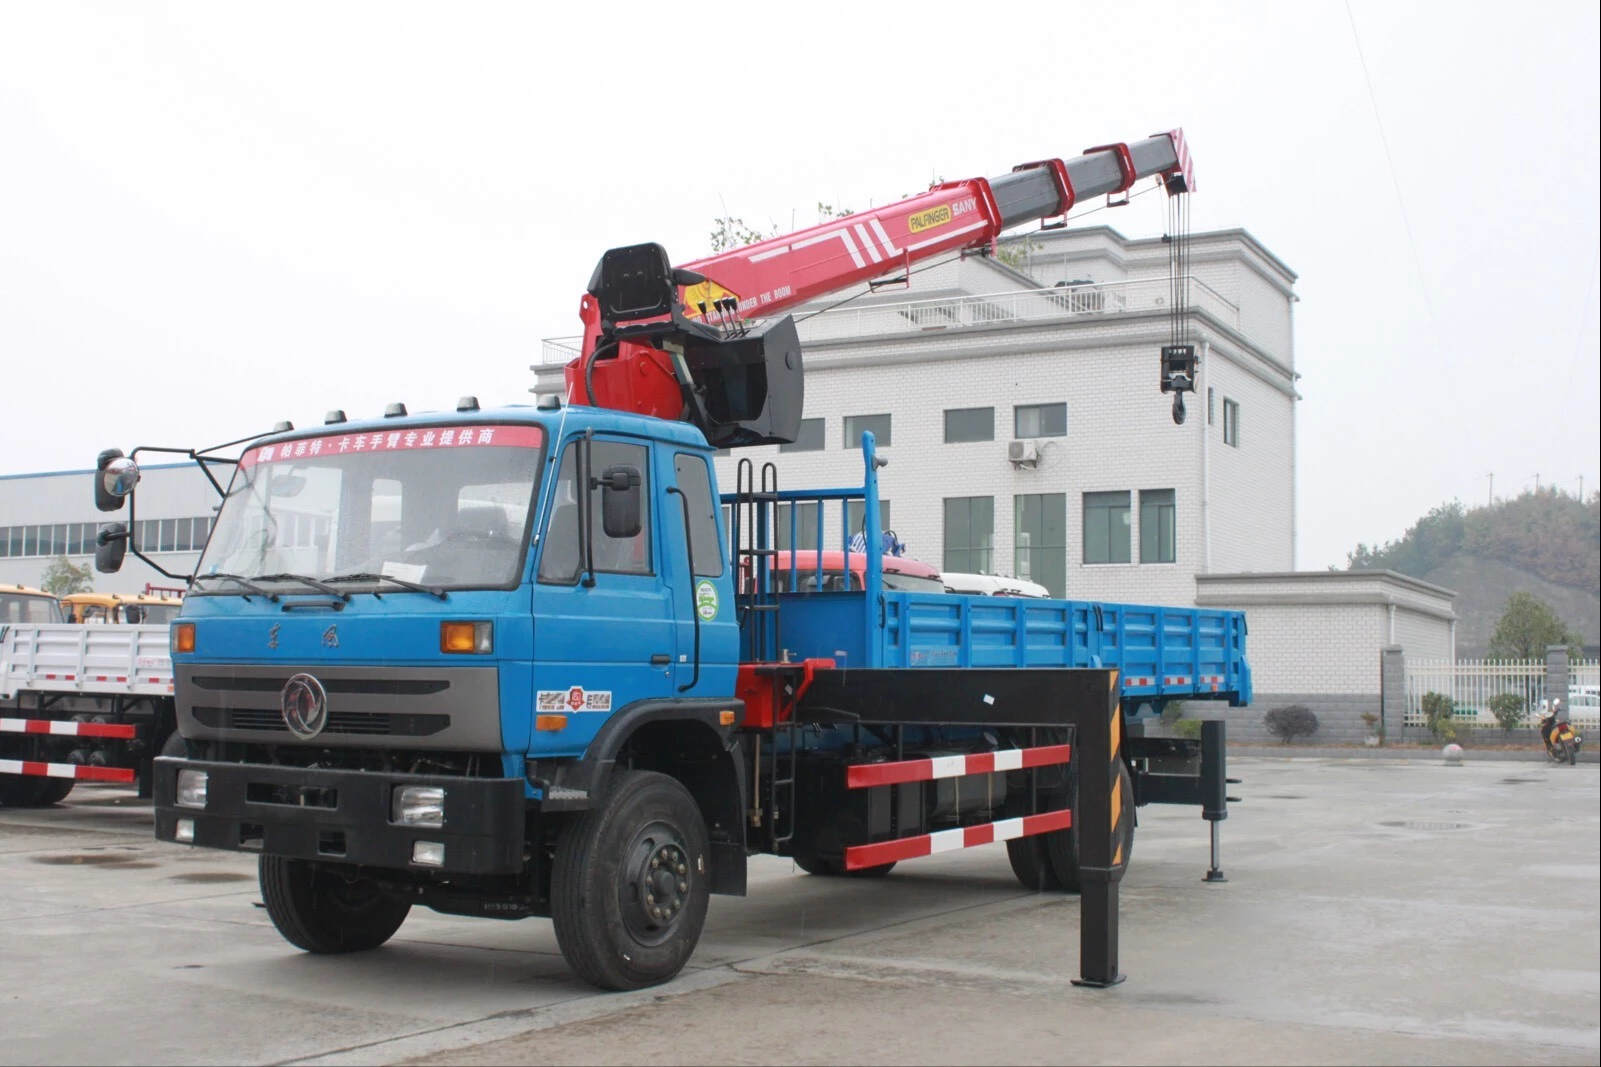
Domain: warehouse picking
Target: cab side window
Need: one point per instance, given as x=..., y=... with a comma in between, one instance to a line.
x=561, y=555
x=694, y=482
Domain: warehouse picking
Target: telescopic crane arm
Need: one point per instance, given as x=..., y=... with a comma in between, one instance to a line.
x=681, y=342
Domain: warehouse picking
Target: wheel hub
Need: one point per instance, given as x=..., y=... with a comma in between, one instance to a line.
x=653, y=894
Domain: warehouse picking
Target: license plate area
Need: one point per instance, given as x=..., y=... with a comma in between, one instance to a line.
x=291, y=796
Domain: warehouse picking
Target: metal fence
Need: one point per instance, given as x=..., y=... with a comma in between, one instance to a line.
x=1472, y=684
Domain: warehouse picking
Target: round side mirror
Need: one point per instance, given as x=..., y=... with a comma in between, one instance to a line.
x=120, y=476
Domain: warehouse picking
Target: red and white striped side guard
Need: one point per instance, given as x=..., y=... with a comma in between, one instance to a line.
x=863, y=775
x=866, y=775
x=67, y=728
x=1214, y=681
x=81, y=771
x=906, y=848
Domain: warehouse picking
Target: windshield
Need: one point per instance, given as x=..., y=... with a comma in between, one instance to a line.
x=443, y=505
x=20, y=608
x=912, y=583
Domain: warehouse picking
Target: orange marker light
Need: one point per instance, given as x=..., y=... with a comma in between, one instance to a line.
x=467, y=637
x=183, y=637
x=726, y=718
x=550, y=723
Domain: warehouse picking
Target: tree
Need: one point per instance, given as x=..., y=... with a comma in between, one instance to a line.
x=731, y=231
x=62, y=577
x=1527, y=626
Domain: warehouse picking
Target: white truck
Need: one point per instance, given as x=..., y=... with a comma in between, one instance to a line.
x=81, y=703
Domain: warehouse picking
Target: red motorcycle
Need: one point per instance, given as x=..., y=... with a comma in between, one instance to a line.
x=1561, y=743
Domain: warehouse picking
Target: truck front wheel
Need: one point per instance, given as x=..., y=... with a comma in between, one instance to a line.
x=629, y=884
x=319, y=909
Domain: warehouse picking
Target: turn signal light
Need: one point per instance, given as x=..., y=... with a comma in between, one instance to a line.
x=469, y=637
x=183, y=637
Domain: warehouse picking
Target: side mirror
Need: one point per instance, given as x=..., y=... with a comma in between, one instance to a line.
x=111, y=546
x=619, y=502
x=115, y=477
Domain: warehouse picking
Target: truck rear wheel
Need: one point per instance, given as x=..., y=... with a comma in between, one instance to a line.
x=629, y=885
x=317, y=908
x=54, y=792
x=1061, y=847
x=1029, y=862
x=21, y=790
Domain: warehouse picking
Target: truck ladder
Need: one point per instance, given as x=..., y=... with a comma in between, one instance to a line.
x=754, y=516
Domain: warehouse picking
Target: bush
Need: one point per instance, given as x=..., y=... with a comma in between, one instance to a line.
x=1190, y=729
x=1508, y=710
x=1437, y=711
x=1172, y=712
x=1291, y=722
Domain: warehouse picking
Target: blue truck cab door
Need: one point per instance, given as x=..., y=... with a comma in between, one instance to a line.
x=600, y=646
x=706, y=622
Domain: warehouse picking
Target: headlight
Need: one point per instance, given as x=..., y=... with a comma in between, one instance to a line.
x=418, y=805
x=192, y=789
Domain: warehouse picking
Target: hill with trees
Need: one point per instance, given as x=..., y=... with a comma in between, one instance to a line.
x=1544, y=543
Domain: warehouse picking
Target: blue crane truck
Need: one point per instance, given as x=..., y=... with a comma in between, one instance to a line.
x=521, y=661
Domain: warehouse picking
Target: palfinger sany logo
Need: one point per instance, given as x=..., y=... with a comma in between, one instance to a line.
x=928, y=220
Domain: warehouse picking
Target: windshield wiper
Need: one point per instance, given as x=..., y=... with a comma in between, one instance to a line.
x=315, y=583
x=246, y=583
x=370, y=576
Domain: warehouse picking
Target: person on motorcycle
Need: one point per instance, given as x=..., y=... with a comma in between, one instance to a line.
x=1549, y=722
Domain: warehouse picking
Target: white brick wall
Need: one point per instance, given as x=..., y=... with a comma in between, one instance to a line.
x=1120, y=435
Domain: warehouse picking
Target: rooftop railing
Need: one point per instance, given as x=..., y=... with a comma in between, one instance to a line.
x=994, y=309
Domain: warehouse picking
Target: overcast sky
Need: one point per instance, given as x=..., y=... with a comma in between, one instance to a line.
x=213, y=217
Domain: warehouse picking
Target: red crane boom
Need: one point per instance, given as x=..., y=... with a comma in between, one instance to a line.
x=683, y=343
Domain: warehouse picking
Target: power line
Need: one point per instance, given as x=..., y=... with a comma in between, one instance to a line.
x=1389, y=159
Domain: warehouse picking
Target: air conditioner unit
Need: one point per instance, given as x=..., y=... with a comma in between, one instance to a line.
x=1023, y=453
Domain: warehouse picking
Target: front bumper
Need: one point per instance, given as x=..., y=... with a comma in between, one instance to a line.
x=344, y=816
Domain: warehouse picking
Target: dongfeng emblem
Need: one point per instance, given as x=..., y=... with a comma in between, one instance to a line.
x=305, y=706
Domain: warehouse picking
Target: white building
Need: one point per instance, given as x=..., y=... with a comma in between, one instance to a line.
x=44, y=517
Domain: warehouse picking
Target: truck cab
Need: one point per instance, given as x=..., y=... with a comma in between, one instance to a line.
x=22, y=605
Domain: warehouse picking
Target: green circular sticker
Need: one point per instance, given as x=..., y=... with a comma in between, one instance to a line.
x=706, y=600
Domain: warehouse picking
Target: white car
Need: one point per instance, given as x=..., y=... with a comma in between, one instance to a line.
x=992, y=585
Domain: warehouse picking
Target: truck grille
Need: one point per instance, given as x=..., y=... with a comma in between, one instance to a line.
x=339, y=722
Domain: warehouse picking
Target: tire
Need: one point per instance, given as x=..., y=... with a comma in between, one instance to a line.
x=317, y=908
x=54, y=792
x=1573, y=754
x=830, y=868
x=1029, y=863
x=1061, y=846
x=21, y=790
x=629, y=886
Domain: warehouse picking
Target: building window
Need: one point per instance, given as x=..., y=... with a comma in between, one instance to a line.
x=1231, y=422
x=1211, y=406
x=969, y=424
x=805, y=532
x=1040, y=420
x=1157, y=526
x=856, y=518
x=855, y=424
x=808, y=439
x=970, y=534
x=1040, y=546
x=1106, y=528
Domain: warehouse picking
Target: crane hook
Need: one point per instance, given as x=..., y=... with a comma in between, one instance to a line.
x=1178, y=409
